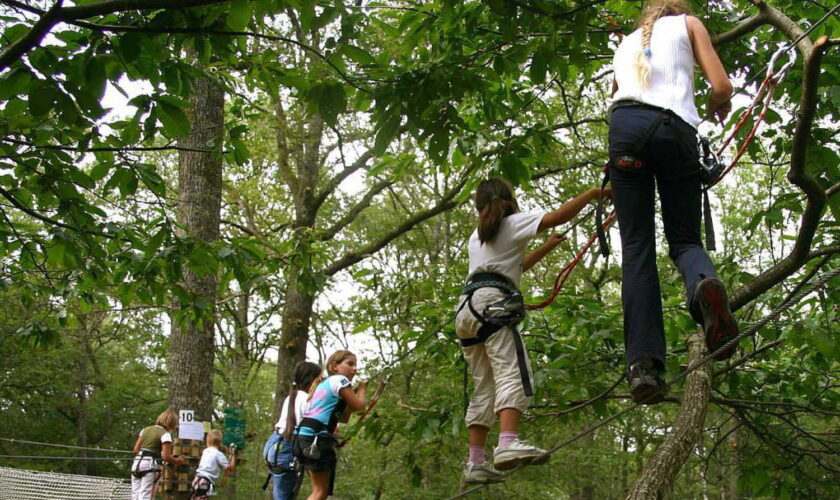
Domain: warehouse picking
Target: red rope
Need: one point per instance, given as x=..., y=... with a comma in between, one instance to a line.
x=563, y=275
x=764, y=95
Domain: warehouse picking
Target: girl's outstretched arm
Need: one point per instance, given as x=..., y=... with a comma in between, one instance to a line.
x=569, y=209
x=537, y=255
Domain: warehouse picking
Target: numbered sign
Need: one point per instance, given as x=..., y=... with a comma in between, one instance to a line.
x=187, y=416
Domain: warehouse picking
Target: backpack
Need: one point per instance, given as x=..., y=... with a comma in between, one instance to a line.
x=278, y=455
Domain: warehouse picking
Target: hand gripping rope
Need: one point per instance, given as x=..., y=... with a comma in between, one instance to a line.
x=752, y=330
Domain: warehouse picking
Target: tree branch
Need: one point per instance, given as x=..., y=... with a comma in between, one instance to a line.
x=17, y=204
x=282, y=143
x=798, y=176
x=58, y=14
x=767, y=15
x=355, y=211
x=105, y=149
x=41, y=27
x=112, y=6
x=659, y=472
x=445, y=203
x=333, y=183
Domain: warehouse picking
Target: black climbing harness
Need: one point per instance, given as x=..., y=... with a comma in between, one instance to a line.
x=507, y=311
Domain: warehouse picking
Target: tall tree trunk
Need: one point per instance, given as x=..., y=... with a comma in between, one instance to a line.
x=658, y=475
x=294, y=334
x=191, y=343
x=300, y=296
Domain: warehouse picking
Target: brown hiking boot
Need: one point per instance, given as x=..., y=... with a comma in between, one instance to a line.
x=718, y=323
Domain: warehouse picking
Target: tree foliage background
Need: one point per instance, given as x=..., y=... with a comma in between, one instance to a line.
x=353, y=135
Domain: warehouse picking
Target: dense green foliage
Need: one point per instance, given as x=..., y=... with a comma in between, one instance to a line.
x=435, y=96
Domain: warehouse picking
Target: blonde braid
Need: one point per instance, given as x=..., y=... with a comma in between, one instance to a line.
x=641, y=61
x=654, y=10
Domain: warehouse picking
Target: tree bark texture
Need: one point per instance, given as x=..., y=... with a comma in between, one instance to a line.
x=294, y=334
x=303, y=183
x=657, y=477
x=191, y=345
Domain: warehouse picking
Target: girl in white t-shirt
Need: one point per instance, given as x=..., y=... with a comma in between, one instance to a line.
x=492, y=346
x=278, y=449
x=210, y=468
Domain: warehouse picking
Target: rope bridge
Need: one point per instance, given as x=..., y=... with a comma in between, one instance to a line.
x=20, y=484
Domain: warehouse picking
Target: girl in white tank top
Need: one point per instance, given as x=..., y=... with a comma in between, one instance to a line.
x=653, y=146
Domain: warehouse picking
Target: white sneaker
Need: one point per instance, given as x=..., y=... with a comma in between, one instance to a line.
x=518, y=452
x=481, y=474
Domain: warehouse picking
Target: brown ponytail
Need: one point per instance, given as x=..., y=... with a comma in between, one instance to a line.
x=306, y=374
x=494, y=201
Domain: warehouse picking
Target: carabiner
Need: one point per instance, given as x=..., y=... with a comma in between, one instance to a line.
x=785, y=67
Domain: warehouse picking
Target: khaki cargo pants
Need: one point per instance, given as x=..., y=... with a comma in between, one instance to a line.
x=493, y=364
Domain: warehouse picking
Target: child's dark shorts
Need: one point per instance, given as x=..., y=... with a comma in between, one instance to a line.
x=326, y=446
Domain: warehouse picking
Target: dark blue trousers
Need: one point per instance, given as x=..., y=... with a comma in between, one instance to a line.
x=669, y=163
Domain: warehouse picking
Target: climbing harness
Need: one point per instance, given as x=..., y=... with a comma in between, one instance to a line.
x=507, y=311
x=151, y=458
x=200, y=488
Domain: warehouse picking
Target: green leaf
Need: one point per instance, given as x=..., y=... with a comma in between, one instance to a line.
x=175, y=122
x=388, y=130
x=41, y=101
x=330, y=100
x=513, y=169
x=539, y=64
x=95, y=78
x=439, y=145
x=129, y=45
x=15, y=82
x=239, y=15
x=358, y=55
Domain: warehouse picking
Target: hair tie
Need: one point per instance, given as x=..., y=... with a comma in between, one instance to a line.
x=647, y=52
